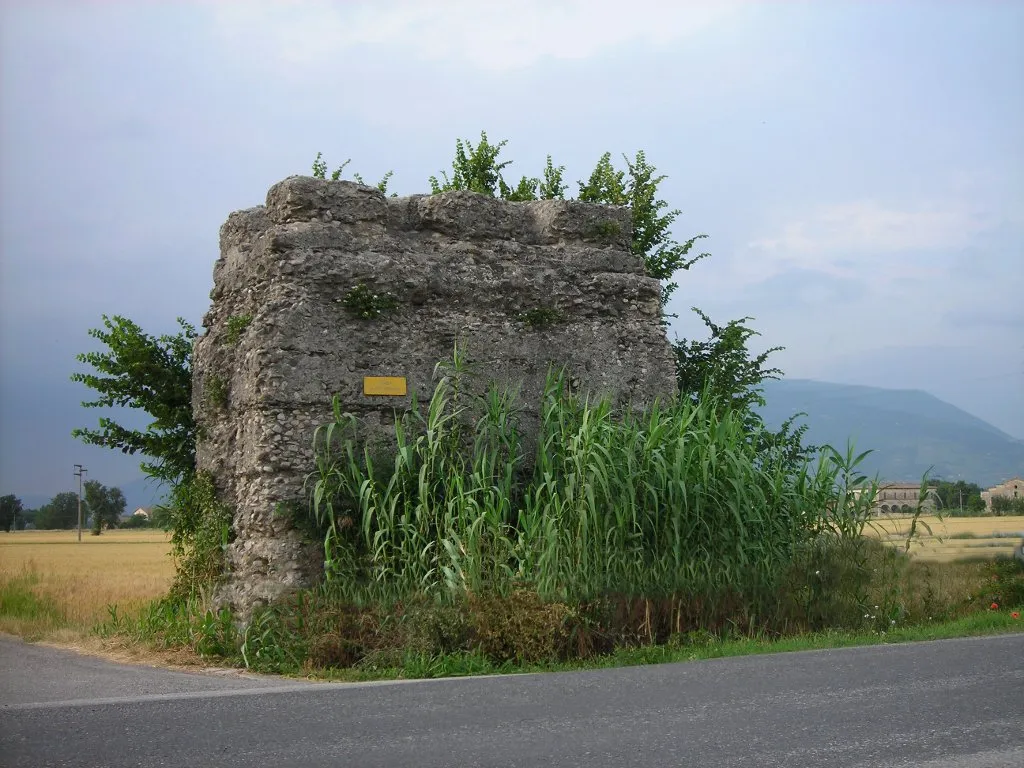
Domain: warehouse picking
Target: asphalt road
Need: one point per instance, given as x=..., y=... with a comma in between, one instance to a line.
x=945, y=703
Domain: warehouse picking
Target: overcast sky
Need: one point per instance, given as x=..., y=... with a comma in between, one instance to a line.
x=858, y=166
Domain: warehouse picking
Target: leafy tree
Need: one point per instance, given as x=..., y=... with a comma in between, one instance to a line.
x=637, y=187
x=953, y=496
x=160, y=517
x=723, y=365
x=60, y=512
x=25, y=518
x=476, y=169
x=10, y=510
x=552, y=186
x=1006, y=505
x=106, y=505
x=136, y=521
x=152, y=374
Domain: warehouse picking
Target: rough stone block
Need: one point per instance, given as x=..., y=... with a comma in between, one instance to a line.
x=459, y=266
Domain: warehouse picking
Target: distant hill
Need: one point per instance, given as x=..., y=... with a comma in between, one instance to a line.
x=909, y=430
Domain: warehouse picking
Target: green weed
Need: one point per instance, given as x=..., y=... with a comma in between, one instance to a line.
x=607, y=230
x=541, y=317
x=236, y=325
x=178, y=623
x=19, y=603
x=363, y=302
x=216, y=392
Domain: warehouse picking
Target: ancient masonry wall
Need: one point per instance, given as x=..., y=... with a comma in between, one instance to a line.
x=521, y=285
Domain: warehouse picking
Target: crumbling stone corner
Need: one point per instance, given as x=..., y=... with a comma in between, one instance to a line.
x=331, y=282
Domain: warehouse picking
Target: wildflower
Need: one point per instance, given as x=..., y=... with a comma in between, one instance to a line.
x=1015, y=614
x=994, y=606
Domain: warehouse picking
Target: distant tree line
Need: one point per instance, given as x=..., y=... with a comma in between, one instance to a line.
x=59, y=512
x=959, y=495
x=102, y=509
x=964, y=498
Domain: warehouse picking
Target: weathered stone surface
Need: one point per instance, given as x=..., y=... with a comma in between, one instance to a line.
x=461, y=266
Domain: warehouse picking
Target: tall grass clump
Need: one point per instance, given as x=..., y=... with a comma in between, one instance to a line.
x=438, y=518
x=654, y=521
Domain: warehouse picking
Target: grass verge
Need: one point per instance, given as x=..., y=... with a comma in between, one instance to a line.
x=697, y=648
x=316, y=636
x=25, y=613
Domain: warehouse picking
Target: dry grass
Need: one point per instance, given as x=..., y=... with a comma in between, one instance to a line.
x=61, y=586
x=934, y=587
x=952, y=538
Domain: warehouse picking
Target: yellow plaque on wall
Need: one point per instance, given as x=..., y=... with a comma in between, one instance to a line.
x=384, y=385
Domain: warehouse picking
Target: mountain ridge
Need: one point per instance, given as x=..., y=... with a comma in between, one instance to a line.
x=909, y=431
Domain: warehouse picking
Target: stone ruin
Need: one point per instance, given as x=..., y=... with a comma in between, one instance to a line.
x=294, y=321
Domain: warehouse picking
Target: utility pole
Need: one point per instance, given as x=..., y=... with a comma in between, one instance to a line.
x=961, y=502
x=79, y=471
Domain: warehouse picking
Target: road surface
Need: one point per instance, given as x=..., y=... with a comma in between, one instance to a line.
x=929, y=705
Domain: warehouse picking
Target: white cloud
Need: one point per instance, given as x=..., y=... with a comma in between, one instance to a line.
x=497, y=35
x=845, y=239
x=869, y=226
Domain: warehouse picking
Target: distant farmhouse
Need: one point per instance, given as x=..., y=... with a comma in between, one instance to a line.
x=146, y=513
x=1011, y=489
x=903, y=497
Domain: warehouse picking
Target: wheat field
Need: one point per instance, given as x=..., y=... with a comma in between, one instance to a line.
x=73, y=583
x=952, y=538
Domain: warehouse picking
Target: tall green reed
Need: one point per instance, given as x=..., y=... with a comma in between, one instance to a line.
x=434, y=518
x=680, y=507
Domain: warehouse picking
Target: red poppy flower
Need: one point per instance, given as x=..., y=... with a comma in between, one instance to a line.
x=994, y=606
x=1015, y=614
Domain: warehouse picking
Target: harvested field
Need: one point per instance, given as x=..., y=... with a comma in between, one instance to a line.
x=952, y=538
x=49, y=581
